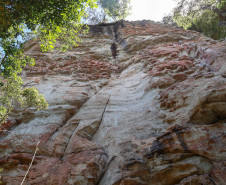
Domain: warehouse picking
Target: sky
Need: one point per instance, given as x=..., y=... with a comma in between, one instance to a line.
x=150, y=9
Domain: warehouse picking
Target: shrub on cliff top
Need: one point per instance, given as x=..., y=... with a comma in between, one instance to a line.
x=206, y=16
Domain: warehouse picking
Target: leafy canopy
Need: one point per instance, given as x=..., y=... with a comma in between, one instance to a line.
x=115, y=8
x=50, y=20
x=108, y=11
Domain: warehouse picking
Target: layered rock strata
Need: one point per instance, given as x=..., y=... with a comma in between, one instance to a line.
x=155, y=115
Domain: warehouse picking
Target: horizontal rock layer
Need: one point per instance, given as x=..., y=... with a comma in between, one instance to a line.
x=154, y=115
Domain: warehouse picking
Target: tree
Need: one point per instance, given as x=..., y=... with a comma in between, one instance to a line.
x=116, y=9
x=206, y=16
x=168, y=19
x=50, y=20
x=108, y=11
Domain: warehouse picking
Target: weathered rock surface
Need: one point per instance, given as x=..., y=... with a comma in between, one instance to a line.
x=156, y=115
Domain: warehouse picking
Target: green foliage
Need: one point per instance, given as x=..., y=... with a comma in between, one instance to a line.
x=38, y=12
x=116, y=9
x=11, y=92
x=0, y=175
x=184, y=21
x=31, y=97
x=168, y=19
x=202, y=15
x=50, y=20
x=107, y=11
x=208, y=23
x=13, y=95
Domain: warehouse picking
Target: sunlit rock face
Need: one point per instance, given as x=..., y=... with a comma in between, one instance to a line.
x=156, y=115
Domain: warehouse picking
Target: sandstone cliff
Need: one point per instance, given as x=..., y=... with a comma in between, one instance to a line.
x=156, y=115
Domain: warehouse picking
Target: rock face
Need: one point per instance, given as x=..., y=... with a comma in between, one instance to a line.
x=154, y=115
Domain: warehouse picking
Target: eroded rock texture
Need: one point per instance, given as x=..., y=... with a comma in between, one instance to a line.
x=154, y=115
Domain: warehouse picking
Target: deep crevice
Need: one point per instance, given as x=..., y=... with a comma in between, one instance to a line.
x=66, y=120
x=106, y=169
x=101, y=119
x=78, y=124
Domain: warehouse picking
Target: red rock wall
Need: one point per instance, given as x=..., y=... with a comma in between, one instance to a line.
x=156, y=115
